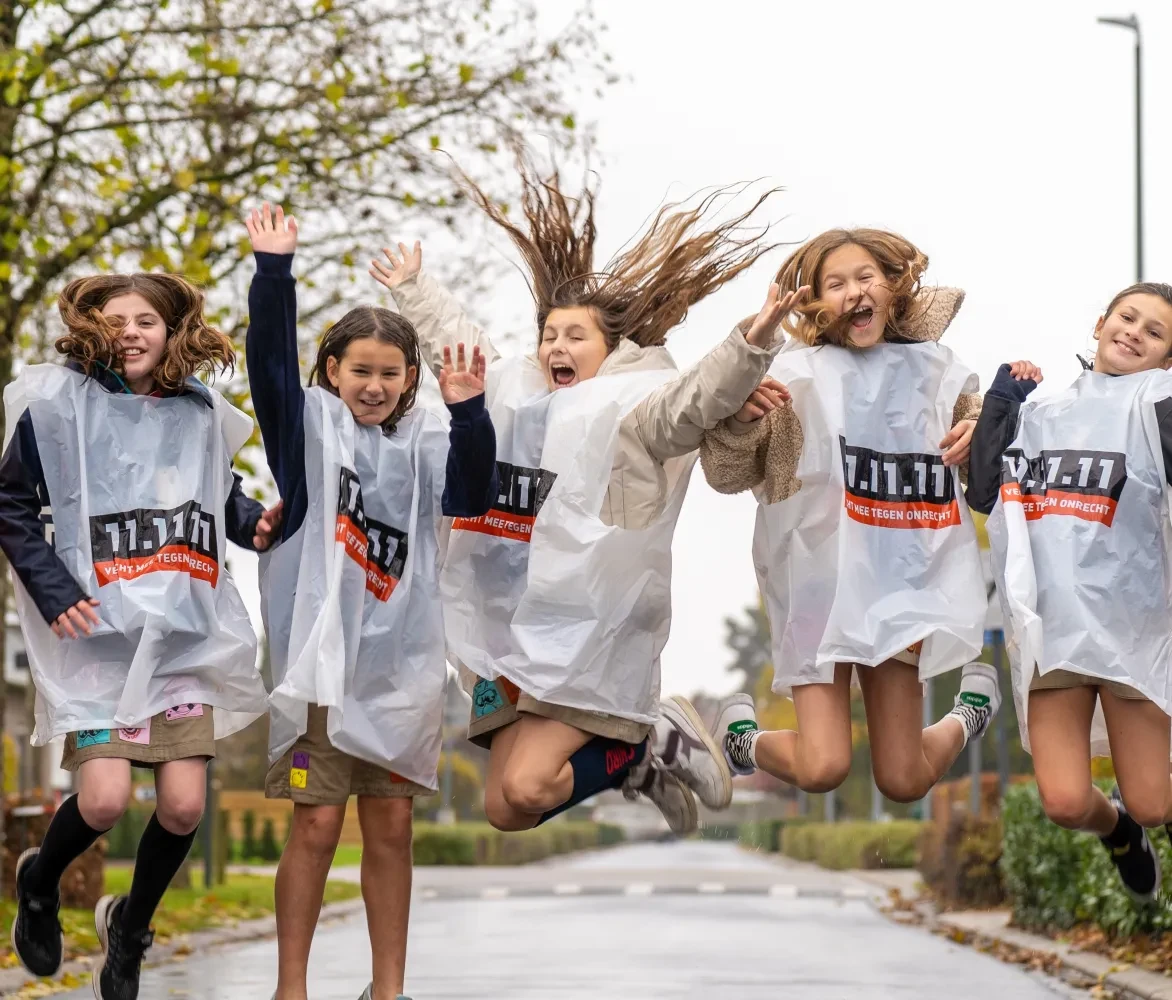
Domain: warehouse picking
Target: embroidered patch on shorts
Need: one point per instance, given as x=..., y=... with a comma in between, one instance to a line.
x=180, y=712
x=299, y=772
x=397, y=779
x=92, y=737
x=486, y=698
x=140, y=734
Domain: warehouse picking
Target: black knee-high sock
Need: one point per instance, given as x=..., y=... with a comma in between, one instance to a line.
x=601, y=764
x=160, y=853
x=67, y=838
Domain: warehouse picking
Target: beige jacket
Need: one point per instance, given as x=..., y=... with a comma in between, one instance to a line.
x=737, y=456
x=669, y=423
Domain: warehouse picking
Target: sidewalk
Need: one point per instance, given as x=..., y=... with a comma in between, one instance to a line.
x=989, y=930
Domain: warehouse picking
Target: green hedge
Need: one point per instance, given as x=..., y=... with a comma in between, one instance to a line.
x=1057, y=878
x=462, y=844
x=480, y=844
x=853, y=844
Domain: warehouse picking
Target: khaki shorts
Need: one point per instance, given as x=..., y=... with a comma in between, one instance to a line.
x=316, y=773
x=176, y=734
x=496, y=704
x=1060, y=680
x=911, y=655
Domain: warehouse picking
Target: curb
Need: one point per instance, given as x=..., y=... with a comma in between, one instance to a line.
x=14, y=980
x=986, y=930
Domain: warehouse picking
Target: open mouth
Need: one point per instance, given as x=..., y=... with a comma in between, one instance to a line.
x=562, y=375
x=1126, y=348
x=133, y=352
x=861, y=318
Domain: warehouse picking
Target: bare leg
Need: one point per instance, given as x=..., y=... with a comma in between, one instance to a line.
x=386, y=887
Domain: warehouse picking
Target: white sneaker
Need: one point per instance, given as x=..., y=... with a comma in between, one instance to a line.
x=735, y=715
x=979, y=699
x=670, y=795
x=682, y=741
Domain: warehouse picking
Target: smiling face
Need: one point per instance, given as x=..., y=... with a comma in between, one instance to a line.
x=573, y=347
x=851, y=282
x=371, y=377
x=1135, y=336
x=142, y=338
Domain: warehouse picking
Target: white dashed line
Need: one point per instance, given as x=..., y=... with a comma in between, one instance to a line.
x=784, y=891
x=851, y=892
x=567, y=889
x=710, y=888
x=639, y=889
x=494, y=892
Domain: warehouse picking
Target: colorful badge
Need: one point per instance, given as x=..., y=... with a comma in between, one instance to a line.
x=181, y=712
x=140, y=734
x=92, y=737
x=486, y=698
x=299, y=772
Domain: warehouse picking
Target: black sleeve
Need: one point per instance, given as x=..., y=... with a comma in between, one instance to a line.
x=275, y=380
x=22, y=532
x=996, y=428
x=472, y=484
x=241, y=513
x=1164, y=417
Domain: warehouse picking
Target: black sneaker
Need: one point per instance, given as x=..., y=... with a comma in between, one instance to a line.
x=1137, y=861
x=36, y=931
x=116, y=972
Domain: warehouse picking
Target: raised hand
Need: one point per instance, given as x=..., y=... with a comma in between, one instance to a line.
x=776, y=307
x=1023, y=370
x=268, y=527
x=271, y=233
x=78, y=618
x=462, y=382
x=402, y=267
x=768, y=396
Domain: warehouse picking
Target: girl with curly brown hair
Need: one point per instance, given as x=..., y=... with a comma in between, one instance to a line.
x=140, y=647
x=557, y=603
x=865, y=551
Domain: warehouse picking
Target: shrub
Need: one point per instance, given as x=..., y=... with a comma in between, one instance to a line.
x=1057, y=878
x=853, y=844
x=960, y=860
x=480, y=844
x=268, y=849
x=248, y=846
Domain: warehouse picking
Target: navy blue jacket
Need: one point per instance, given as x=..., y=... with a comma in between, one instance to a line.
x=23, y=495
x=278, y=399
x=997, y=427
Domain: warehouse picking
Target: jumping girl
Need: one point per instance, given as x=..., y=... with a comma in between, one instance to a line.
x=1078, y=485
x=351, y=593
x=864, y=548
x=558, y=600
x=140, y=648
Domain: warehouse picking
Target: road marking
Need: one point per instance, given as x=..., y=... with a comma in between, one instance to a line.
x=494, y=892
x=784, y=891
x=566, y=889
x=429, y=894
x=852, y=892
x=710, y=888
x=639, y=889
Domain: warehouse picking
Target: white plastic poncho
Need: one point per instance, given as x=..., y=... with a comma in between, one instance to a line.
x=351, y=602
x=137, y=486
x=877, y=550
x=540, y=591
x=1081, y=540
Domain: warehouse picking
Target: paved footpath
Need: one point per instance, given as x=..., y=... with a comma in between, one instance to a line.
x=638, y=922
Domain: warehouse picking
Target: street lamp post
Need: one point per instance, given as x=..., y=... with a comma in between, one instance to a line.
x=1131, y=22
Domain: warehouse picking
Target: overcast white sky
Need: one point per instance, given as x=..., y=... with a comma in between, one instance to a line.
x=998, y=137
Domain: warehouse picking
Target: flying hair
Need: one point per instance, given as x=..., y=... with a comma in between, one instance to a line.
x=645, y=290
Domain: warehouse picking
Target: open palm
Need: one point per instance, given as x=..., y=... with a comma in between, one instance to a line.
x=462, y=381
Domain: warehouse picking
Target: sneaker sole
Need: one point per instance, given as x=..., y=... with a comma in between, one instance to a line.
x=693, y=811
x=24, y=858
x=988, y=671
x=689, y=712
x=101, y=914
